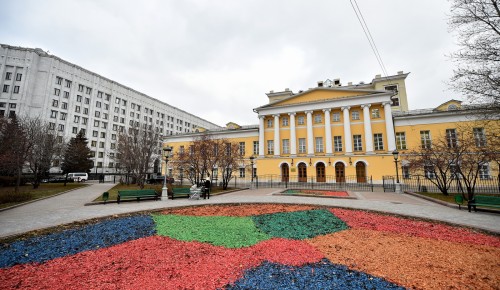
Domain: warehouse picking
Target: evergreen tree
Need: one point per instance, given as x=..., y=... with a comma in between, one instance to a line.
x=77, y=157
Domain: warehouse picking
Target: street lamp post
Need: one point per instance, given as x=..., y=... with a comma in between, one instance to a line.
x=251, y=162
x=395, y=154
x=166, y=153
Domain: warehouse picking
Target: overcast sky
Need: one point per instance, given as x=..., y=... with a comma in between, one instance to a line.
x=217, y=59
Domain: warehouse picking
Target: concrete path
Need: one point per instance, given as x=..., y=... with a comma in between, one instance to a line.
x=70, y=207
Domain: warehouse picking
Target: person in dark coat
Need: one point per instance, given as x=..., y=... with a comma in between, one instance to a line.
x=206, y=184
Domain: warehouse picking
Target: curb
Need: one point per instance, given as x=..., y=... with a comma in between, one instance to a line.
x=452, y=205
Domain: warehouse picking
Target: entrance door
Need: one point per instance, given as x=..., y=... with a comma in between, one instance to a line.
x=339, y=172
x=361, y=172
x=320, y=172
x=302, y=172
x=284, y=173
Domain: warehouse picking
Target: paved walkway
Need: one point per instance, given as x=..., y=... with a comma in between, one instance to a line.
x=70, y=207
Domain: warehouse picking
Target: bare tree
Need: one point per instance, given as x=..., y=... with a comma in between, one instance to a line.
x=136, y=152
x=43, y=150
x=229, y=161
x=477, y=76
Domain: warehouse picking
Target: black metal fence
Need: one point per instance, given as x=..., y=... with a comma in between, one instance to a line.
x=327, y=182
x=420, y=183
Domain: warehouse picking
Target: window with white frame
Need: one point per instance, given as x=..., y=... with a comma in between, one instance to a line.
x=451, y=138
x=355, y=115
x=256, y=147
x=484, y=171
x=337, y=143
x=336, y=117
x=425, y=139
x=286, y=146
x=479, y=137
x=429, y=171
x=401, y=140
x=284, y=121
x=270, y=146
x=302, y=145
x=53, y=114
x=318, y=118
x=55, y=103
x=242, y=172
x=242, y=148
x=318, y=144
x=405, y=171
x=57, y=92
x=269, y=123
x=378, y=141
x=300, y=120
x=358, y=143
x=375, y=113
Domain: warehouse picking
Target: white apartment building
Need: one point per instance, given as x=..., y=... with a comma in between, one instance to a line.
x=71, y=98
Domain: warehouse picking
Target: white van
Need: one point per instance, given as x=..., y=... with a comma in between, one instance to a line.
x=78, y=176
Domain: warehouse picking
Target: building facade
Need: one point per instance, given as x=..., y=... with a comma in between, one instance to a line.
x=333, y=133
x=71, y=98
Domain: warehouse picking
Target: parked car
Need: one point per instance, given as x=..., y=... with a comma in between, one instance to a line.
x=78, y=176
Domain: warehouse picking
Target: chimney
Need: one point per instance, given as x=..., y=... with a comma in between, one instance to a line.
x=400, y=72
x=378, y=76
x=320, y=84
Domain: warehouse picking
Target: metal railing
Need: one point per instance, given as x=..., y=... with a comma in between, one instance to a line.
x=420, y=183
x=312, y=182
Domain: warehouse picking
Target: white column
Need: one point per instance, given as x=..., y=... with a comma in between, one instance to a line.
x=347, y=131
x=277, y=135
x=310, y=136
x=261, y=136
x=293, y=137
x=389, y=127
x=328, y=132
x=368, y=128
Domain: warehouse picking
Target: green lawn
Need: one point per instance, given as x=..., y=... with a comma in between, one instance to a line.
x=448, y=198
x=27, y=193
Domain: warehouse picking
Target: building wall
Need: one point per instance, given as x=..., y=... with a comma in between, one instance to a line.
x=72, y=98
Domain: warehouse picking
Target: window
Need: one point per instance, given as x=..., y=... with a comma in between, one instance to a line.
x=105, y=116
x=378, y=141
x=451, y=138
x=63, y=116
x=89, y=91
x=99, y=94
x=60, y=127
x=117, y=101
x=100, y=154
x=98, y=104
x=405, y=171
x=80, y=88
x=59, y=80
x=85, y=111
x=19, y=77
x=484, y=171
x=53, y=114
x=269, y=123
x=68, y=83
x=76, y=119
x=302, y=145
x=96, y=123
x=318, y=118
x=479, y=137
x=242, y=172
x=5, y=88
x=112, y=146
x=256, y=147
x=79, y=98
x=101, y=144
x=393, y=88
x=358, y=144
x=57, y=92
x=95, y=133
x=355, y=115
x=84, y=121
x=64, y=105
x=52, y=126
x=429, y=171
x=375, y=113
x=286, y=146
x=12, y=106
x=124, y=102
x=425, y=139
x=77, y=109
x=108, y=97
x=395, y=101
x=16, y=89
x=300, y=120
x=74, y=130
x=97, y=114
x=270, y=146
x=284, y=121
x=337, y=143
x=8, y=75
x=93, y=143
x=242, y=148
x=401, y=140
x=319, y=144
x=55, y=103
x=336, y=117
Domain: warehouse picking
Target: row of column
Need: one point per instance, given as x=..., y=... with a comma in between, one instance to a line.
x=389, y=126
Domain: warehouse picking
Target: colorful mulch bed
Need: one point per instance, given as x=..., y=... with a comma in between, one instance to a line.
x=314, y=192
x=261, y=246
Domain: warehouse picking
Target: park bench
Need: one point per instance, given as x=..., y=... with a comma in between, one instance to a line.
x=136, y=194
x=180, y=192
x=484, y=200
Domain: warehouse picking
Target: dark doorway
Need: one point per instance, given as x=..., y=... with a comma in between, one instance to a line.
x=285, y=175
x=361, y=172
x=320, y=172
x=302, y=172
x=339, y=172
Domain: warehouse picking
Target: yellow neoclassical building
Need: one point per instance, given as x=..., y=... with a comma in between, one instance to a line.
x=333, y=132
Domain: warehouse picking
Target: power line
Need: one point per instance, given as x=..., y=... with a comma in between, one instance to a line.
x=368, y=35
